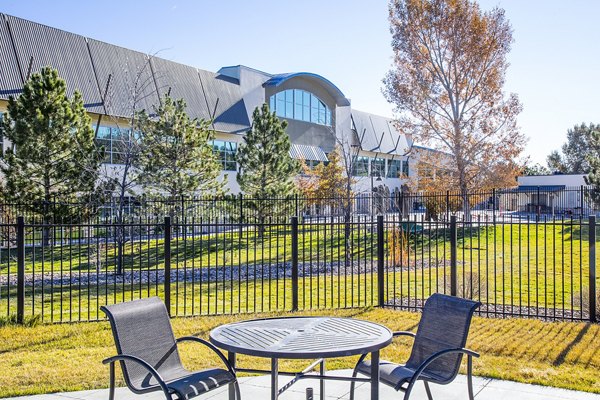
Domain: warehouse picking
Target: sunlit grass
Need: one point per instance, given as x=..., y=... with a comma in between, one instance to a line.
x=67, y=357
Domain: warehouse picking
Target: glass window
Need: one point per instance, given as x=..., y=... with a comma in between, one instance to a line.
x=298, y=104
x=272, y=104
x=314, y=108
x=301, y=105
x=226, y=153
x=289, y=103
x=394, y=168
x=378, y=167
x=114, y=141
x=280, y=104
x=305, y=106
x=360, y=166
x=405, y=170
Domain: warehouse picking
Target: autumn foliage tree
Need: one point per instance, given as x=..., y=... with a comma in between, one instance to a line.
x=325, y=184
x=447, y=85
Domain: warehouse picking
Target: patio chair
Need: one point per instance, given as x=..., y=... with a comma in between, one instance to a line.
x=437, y=349
x=147, y=352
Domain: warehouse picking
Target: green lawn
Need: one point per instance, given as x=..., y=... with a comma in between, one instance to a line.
x=518, y=265
x=66, y=357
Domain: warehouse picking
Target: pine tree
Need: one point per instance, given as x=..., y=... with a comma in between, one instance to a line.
x=266, y=170
x=177, y=158
x=54, y=159
x=593, y=161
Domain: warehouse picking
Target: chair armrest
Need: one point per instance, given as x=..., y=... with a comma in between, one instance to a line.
x=404, y=333
x=137, y=360
x=432, y=358
x=210, y=346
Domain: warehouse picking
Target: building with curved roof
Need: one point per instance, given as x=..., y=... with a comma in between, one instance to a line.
x=115, y=81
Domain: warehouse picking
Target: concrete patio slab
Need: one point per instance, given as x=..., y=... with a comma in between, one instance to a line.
x=257, y=388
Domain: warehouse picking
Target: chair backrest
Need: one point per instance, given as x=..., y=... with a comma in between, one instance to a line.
x=444, y=325
x=142, y=328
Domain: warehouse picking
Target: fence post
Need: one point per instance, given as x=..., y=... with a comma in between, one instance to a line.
x=453, y=272
x=295, y=263
x=20, y=270
x=447, y=204
x=168, y=264
x=592, y=256
x=380, y=262
x=581, y=201
x=494, y=206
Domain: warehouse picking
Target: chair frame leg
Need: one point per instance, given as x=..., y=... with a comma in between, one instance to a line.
x=111, y=390
x=428, y=390
x=470, y=377
x=354, y=375
x=238, y=394
x=353, y=384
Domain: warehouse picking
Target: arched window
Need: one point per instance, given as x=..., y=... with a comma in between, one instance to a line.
x=301, y=105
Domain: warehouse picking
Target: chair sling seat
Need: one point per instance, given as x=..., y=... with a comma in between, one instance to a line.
x=394, y=375
x=191, y=385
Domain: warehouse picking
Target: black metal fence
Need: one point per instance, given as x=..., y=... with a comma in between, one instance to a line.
x=522, y=266
x=525, y=202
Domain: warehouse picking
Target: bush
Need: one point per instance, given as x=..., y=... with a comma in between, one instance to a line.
x=471, y=287
x=398, y=247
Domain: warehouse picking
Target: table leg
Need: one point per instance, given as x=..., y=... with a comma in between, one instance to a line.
x=231, y=390
x=375, y=375
x=322, y=381
x=274, y=378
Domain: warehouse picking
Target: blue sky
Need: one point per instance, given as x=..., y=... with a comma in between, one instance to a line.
x=555, y=61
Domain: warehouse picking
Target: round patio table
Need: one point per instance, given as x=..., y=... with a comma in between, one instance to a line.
x=303, y=338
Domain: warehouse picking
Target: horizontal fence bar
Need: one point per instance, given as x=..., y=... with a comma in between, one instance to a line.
x=226, y=261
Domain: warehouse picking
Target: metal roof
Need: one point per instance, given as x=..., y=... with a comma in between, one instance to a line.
x=304, y=152
x=534, y=189
x=225, y=101
x=132, y=86
x=183, y=82
x=11, y=82
x=335, y=92
x=136, y=79
x=378, y=134
x=39, y=45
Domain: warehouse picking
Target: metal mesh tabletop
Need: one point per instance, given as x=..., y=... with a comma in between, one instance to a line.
x=301, y=337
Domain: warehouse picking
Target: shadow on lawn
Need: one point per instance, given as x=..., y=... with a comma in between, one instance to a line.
x=560, y=359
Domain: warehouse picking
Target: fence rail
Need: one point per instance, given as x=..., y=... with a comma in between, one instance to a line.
x=526, y=266
x=539, y=203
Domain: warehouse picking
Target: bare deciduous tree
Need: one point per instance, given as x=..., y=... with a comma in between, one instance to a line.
x=447, y=86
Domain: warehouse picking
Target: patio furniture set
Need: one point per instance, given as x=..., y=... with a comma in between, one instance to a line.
x=147, y=350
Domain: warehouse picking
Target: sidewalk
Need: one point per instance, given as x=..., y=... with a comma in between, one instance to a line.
x=257, y=388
